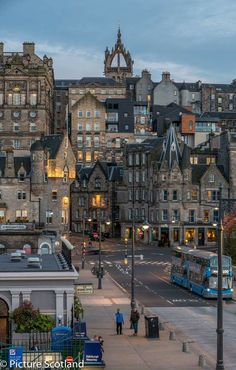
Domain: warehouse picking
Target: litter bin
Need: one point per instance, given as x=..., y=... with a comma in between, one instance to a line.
x=152, y=326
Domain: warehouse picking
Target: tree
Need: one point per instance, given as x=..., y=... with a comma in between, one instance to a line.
x=229, y=224
x=28, y=318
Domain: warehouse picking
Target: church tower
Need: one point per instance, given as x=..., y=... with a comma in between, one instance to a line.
x=118, y=62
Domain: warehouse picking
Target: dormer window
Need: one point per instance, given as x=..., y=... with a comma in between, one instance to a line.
x=211, y=177
x=21, y=177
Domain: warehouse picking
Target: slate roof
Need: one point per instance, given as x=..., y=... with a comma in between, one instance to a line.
x=198, y=171
x=191, y=86
x=50, y=262
x=25, y=161
x=51, y=143
x=226, y=88
x=66, y=83
x=220, y=115
x=18, y=161
x=98, y=80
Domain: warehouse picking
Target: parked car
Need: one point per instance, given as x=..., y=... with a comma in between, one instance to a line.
x=91, y=249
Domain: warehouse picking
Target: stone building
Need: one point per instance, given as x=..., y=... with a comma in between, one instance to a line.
x=26, y=97
x=94, y=198
x=47, y=282
x=118, y=63
x=173, y=189
x=35, y=190
x=88, y=129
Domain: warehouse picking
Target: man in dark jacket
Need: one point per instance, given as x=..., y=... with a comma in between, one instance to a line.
x=134, y=319
x=119, y=321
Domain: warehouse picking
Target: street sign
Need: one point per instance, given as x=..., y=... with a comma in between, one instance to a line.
x=85, y=288
x=15, y=356
x=92, y=352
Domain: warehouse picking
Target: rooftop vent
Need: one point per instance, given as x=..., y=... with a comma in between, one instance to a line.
x=16, y=257
x=34, y=262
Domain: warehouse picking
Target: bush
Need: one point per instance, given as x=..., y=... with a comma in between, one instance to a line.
x=28, y=318
x=230, y=248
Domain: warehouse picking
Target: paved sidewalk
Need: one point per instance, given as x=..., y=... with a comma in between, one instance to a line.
x=127, y=352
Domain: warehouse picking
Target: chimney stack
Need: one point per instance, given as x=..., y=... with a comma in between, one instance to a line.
x=28, y=48
x=1, y=49
x=166, y=76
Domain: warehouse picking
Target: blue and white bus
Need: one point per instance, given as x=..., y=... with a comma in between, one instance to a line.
x=197, y=271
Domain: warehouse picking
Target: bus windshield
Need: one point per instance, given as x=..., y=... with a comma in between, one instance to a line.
x=225, y=262
x=226, y=282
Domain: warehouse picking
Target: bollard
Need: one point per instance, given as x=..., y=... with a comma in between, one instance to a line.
x=161, y=326
x=201, y=361
x=185, y=347
x=172, y=335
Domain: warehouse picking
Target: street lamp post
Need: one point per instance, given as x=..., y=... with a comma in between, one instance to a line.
x=220, y=328
x=100, y=256
x=133, y=304
x=83, y=247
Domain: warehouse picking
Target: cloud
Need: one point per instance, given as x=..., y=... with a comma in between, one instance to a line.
x=75, y=63
x=179, y=72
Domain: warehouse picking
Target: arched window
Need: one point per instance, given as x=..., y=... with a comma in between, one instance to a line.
x=44, y=248
x=65, y=174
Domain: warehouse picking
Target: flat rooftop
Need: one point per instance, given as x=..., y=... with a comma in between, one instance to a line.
x=48, y=263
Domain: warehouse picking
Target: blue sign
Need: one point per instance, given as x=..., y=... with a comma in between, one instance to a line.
x=15, y=356
x=92, y=352
x=80, y=330
x=61, y=338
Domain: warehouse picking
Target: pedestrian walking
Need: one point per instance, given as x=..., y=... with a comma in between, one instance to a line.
x=119, y=321
x=134, y=319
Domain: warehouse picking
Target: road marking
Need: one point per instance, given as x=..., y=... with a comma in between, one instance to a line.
x=165, y=281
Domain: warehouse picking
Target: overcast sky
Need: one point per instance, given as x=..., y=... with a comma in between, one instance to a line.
x=192, y=39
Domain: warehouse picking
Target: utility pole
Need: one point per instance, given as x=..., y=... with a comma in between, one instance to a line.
x=220, y=328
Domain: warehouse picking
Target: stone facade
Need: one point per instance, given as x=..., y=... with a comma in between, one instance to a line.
x=26, y=97
x=94, y=196
x=169, y=188
x=35, y=189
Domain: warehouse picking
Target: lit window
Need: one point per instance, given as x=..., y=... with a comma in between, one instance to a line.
x=63, y=217
x=88, y=157
x=80, y=156
x=33, y=99
x=211, y=235
x=206, y=216
x=194, y=194
x=193, y=160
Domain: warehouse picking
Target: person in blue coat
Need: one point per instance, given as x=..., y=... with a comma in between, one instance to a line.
x=119, y=321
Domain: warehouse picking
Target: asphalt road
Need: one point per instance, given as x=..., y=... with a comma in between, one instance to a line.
x=152, y=268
